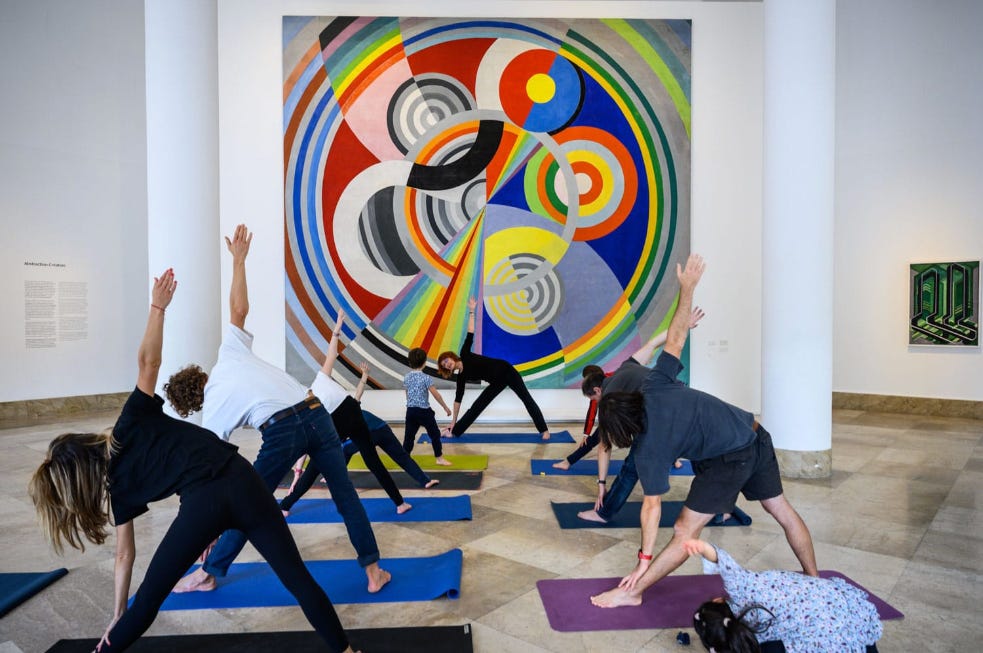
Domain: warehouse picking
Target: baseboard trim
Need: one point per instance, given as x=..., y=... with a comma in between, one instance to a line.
x=37, y=411
x=909, y=405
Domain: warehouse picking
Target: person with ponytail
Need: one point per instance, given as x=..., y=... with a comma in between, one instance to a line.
x=89, y=480
x=782, y=611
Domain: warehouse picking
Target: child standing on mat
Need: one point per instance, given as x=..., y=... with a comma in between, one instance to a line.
x=419, y=386
x=498, y=373
x=148, y=456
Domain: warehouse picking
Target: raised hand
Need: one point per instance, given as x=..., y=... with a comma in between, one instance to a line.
x=239, y=243
x=163, y=290
x=695, y=317
x=690, y=275
x=365, y=369
x=472, y=303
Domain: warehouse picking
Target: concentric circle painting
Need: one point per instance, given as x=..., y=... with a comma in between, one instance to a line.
x=540, y=166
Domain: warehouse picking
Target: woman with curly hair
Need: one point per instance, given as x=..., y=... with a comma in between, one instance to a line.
x=498, y=373
x=148, y=456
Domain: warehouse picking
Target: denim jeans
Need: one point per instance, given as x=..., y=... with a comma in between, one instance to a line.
x=308, y=432
x=619, y=491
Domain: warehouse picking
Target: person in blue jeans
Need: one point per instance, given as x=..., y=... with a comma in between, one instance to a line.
x=244, y=389
x=627, y=378
x=382, y=437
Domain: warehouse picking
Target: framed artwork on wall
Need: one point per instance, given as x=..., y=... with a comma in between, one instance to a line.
x=944, y=304
x=541, y=166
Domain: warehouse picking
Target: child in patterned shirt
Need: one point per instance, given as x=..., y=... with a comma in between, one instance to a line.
x=418, y=410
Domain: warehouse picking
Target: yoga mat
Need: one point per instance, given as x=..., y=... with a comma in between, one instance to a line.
x=432, y=639
x=448, y=481
x=589, y=468
x=670, y=603
x=429, y=463
x=562, y=437
x=630, y=516
x=254, y=585
x=325, y=511
x=15, y=588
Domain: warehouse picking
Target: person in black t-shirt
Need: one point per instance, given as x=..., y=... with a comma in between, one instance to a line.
x=498, y=373
x=148, y=456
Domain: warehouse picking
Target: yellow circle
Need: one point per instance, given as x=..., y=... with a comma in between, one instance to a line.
x=541, y=88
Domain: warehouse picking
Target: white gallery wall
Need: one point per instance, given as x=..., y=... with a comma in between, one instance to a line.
x=73, y=196
x=909, y=186
x=726, y=173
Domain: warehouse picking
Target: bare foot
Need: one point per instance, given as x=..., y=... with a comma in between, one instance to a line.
x=562, y=464
x=378, y=577
x=616, y=598
x=546, y=435
x=431, y=483
x=591, y=515
x=446, y=433
x=443, y=461
x=197, y=581
x=403, y=507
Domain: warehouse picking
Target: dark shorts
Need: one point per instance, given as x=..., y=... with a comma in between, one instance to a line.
x=752, y=471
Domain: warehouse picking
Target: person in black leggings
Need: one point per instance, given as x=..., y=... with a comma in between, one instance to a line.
x=498, y=373
x=148, y=456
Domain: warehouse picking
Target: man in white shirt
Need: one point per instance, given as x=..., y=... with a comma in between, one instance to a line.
x=244, y=389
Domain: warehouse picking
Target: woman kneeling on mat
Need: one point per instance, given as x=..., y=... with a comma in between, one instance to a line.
x=782, y=611
x=498, y=373
x=148, y=456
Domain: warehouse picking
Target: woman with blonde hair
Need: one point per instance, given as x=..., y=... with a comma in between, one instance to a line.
x=148, y=456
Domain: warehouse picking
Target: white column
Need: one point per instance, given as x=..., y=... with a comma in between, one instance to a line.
x=797, y=232
x=182, y=172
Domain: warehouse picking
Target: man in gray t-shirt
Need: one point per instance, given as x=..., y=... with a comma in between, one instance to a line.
x=730, y=451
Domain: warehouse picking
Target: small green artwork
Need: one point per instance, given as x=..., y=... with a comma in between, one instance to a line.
x=945, y=304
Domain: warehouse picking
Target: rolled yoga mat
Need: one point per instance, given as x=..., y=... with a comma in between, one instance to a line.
x=476, y=462
x=418, y=639
x=630, y=516
x=15, y=588
x=254, y=585
x=562, y=437
x=589, y=468
x=325, y=511
x=669, y=603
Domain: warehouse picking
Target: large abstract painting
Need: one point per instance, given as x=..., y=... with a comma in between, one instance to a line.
x=945, y=306
x=538, y=165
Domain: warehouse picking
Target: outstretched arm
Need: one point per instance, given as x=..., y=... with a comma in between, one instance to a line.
x=360, y=388
x=332, y=354
x=123, y=570
x=149, y=354
x=680, y=324
x=440, y=400
x=644, y=355
x=700, y=548
x=472, y=304
x=238, y=294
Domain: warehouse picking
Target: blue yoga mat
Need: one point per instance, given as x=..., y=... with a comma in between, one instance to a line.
x=325, y=511
x=254, y=585
x=589, y=468
x=563, y=437
x=15, y=588
x=630, y=516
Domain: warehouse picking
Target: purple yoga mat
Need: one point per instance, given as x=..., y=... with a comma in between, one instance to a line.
x=670, y=603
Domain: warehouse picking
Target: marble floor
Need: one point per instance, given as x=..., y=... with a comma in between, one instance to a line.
x=902, y=515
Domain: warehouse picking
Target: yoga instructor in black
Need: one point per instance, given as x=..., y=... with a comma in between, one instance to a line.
x=148, y=456
x=498, y=373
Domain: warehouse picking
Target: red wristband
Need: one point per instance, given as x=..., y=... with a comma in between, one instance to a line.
x=644, y=556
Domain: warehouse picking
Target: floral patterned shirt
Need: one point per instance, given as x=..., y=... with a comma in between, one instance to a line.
x=811, y=614
x=417, y=386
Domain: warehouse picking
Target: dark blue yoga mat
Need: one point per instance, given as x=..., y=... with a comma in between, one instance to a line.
x=15, y=588
x=254, y=585
x=563, y=437
x=630, y=516
x=325, y=511
x=589, y=468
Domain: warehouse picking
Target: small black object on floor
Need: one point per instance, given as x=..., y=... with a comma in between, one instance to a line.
x=432, y=639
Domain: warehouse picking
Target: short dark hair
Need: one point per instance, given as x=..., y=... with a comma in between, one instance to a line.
x=594, y=380
x=417, y=358
x=186, y=389
x=720, y=629
x=621, y=416
x=590, y=370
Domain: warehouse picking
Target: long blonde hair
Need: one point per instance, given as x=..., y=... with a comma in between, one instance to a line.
x=70, y=490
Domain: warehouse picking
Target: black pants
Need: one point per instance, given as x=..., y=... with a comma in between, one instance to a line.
x=592, y=441
x=237, y=499
x=513, y=381
x=415, y=418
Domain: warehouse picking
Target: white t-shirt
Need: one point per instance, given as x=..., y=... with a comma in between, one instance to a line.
x=328, y=391
x=243, y=388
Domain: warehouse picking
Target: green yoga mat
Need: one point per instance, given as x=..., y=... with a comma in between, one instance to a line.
x=429, y=463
